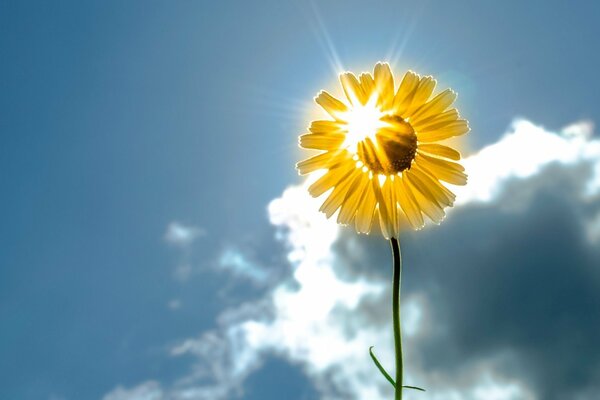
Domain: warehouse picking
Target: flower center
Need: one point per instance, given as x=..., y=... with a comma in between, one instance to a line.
x=392, y=149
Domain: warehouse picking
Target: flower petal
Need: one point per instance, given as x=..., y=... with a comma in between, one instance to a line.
x=322, y=141
x=330, y=104
x=443, y=163
x=405, y=93
x=325, y=126
x=321, y=161
x=441, y=169
x=364, y=214
x=352, y=88
x=367, y=83
x=337, y=196
x=384, y=217
x=353, y=198
x=425, y=200
x=444, y=196
x=331, y=178
x=435, y=106
x=439, y=150
x=422, y=93
x=384, y=83
x=407, y=201
x=455, y=128
x=437, y=121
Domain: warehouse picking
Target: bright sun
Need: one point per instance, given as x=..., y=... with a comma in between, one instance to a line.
x=362, y=121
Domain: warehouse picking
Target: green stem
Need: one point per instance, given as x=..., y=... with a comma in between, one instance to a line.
x=396, y=312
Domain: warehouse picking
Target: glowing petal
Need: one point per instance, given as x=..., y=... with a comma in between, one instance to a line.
x=352, y=88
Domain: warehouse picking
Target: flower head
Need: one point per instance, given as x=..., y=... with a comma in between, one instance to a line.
x=380, y=151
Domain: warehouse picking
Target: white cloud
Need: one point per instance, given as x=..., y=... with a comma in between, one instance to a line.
x=237, y=263
x=523, y=152
x=480, y=382
x=149, y=390
x=182, y=235
x=315, y=319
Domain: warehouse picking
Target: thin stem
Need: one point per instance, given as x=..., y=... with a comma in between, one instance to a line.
x=396, y=311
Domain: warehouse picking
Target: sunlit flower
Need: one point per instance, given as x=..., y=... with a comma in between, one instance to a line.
x=380, y=151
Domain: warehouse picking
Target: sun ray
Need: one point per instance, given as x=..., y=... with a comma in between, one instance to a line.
x=396, y=50
x=324, y=39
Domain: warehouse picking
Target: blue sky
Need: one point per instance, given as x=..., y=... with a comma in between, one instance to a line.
x=125, y=121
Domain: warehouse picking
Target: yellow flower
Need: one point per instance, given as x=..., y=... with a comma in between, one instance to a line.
x=380, y=151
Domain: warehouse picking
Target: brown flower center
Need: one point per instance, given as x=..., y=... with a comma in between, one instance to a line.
x=393, y=148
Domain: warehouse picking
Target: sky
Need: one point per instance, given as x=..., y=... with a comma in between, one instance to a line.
x=157, y=243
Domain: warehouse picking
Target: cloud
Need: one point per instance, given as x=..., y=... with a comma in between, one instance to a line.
x=500, y=301
x=182, y=235
x=522, y=153
x=149, y=390
x=239, y=265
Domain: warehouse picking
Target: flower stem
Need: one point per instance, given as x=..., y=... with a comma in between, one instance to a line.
x=396, y=318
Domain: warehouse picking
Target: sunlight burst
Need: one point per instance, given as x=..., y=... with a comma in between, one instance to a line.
x=362, y=121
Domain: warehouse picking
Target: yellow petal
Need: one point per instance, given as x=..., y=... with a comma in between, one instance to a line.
x=443, y=163
x=436, y=121
x=330, y=104
x=321, y=161
x=408, y=203
x=352, y=88
x=422, y=93
x=441, y=169
x=384, y=82
x=325, y=126
x=444, y=196
x=364, y=214
x=353, y=198
x=331, y=178
x=425, y=201
x=439, y=150
x=322, y=141
x=432, y=134
x=419, y=186
x=430, y=201
x=435, y=106
x=336, y=197
x=384, y=217
x=405, y=92
x=367, y=83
